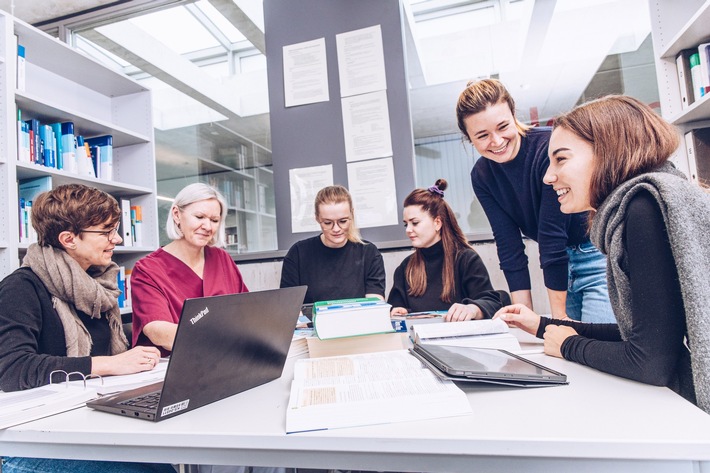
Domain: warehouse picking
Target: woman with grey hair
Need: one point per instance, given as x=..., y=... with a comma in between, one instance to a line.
x=190, y=266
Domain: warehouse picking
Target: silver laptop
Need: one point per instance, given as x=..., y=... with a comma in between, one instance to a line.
x=224, y=345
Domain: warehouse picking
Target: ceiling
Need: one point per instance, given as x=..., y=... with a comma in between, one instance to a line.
x=545, y=51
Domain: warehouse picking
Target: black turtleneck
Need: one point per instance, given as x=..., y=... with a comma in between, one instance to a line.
x=473, y=286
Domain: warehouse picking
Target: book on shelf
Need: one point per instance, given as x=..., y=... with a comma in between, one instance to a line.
x=487, y=333
x=58, y=150
x=695, y=75
x=85, y=166
x=102, y=151
x=21, y=67
x=697, y=147
x=124, y=227
x=366, y=389
x=351, y=317
x=377, y=342
x=685, y=83
x=137, y=224
x=23, y=140
x=27, y=191
x=121, y=283
x=704, y=59
x=68, y=148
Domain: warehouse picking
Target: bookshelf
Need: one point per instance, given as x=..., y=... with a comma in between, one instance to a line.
x=64, y=85
x=675, y=27
x=241, y=170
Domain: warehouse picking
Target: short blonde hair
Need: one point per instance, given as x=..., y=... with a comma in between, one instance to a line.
x=189, y=195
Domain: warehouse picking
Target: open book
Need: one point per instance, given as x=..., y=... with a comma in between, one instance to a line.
x=489, y=333
x=373, y=388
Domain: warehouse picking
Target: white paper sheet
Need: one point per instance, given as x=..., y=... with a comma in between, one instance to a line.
x=372, y=187
x=304, y=184
x=366, y=126
x=305, y=73
x=361, y=61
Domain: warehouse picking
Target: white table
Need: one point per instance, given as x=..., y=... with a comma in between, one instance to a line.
x=596, y=423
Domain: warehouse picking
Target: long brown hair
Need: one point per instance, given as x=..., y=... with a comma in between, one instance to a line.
x=478, y=96
x=335, y=195
x=432, y=201
x=627, y=137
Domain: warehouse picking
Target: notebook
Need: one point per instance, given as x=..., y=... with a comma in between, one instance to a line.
x=485, y=365
x=224, y=345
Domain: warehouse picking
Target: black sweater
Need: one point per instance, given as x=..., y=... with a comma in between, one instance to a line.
x=472, y=284
x=334, y=273
x=655, y=352
x=32, y=336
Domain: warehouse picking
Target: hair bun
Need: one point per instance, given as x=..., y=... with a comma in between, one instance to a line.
x=441, y=184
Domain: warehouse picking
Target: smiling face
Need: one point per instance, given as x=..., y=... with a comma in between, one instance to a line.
x=94, y=245
x=570, y=171
x=421, y=228
x=493, y=133
x=199, y=221
x=335, y=220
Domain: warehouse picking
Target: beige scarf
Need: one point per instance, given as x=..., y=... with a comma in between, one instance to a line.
x=93, y=292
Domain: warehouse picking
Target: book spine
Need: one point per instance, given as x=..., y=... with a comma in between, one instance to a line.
x=21, y=67
x=685, y=84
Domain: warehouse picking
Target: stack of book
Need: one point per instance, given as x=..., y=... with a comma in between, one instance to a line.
x=489, y=333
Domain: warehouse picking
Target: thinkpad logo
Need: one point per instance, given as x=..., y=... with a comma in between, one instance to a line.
x=199, y=315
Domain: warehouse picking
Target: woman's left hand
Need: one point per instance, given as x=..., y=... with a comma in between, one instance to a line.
x=462, y=312
x=554, y=336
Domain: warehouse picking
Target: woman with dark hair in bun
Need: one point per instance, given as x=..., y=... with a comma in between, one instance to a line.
x=444, y=272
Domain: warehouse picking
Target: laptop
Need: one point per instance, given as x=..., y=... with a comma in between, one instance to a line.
x=485, y=365
x=224, y=345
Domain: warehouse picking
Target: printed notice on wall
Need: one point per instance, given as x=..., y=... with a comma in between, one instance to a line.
x=361, y=61
x=371, y=184
x=304, y=184
x=305, y=73
x=366, y=126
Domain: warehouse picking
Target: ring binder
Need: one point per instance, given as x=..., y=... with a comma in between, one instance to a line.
x=67, y=377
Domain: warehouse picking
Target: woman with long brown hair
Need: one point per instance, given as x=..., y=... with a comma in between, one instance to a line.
x=444, y=272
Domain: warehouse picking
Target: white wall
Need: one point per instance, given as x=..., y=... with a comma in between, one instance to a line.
x=261, y=276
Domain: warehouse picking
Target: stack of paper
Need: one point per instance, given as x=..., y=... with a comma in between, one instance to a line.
x=31, y=404
x=116, y=384
x=351, y=317
x=490, y=333
x=299, y=346
x=376, y=388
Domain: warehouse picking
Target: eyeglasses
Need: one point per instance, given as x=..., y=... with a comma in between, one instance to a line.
x=329, y=224
x=109, y=234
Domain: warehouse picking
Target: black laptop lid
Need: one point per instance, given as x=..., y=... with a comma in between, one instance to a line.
x=482, y=364
x=228, y=344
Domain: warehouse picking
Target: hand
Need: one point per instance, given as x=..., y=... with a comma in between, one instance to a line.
x=554, y=336
x=519, y=315
x=398, y=311
x=462, y=312
x=135, y=360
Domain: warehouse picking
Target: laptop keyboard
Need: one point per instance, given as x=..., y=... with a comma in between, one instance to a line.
x=146, y=401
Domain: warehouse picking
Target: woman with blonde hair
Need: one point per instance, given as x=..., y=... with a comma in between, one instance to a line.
x=192, y=265
x=444, y=272
x=338, y=263
x=611, y=157
x=508, y=183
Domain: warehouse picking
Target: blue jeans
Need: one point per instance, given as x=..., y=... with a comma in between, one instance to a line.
x=50, y=465
x=587, y=293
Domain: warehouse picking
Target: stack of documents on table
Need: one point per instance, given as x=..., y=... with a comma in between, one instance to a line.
x=351, y=317
x=299, y=346
x=489, y=333
x=31, y=404
x=374, y=388
x=404, y=323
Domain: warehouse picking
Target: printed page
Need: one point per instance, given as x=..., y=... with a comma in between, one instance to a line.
x=366, y=389
x=460, y=329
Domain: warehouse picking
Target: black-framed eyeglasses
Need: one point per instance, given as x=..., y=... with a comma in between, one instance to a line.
x=109, y=234
x=341, y=222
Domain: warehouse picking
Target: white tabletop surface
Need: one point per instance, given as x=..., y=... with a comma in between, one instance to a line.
x=596, y=421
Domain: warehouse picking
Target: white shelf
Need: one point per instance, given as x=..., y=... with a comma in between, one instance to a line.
x=698, y=110
x=695, y=31
x=64, y=85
